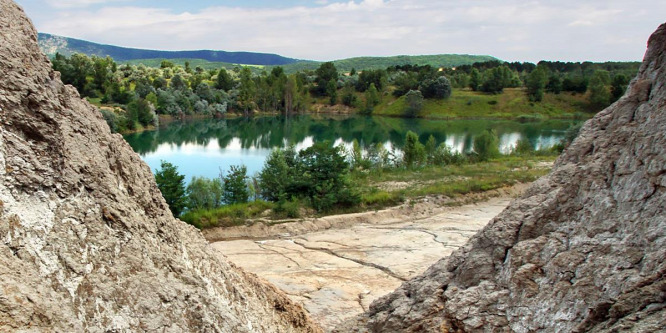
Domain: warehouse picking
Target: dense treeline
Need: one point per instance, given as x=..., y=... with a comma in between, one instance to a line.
x=143, y=92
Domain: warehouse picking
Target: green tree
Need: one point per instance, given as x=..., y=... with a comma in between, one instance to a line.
x=439, y=88
x=371, y=99
x=357, y=160
x=204, y=193
x=430, y=148
x=348, y=96
x=496, y=79
x=475, y=79
x=618, y=86
x=414, y=103
x=325, y=73
x=172, y=185
x=275, y=176
x=536, y=83
x=599, y=89
x=414, y=153
x=332, y=91
x=178, y=83
x=248, y=90
x=224, y=80
x=235, y=185
x=554, y=84
x=324, y=177
x=524, y=147
x=486, y=145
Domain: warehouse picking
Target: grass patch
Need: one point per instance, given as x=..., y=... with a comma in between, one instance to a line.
x=511, y=104
x=226, y=216
x=450, y=180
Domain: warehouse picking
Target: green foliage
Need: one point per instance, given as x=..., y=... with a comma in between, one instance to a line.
x=600, y=96
x=349, y=98
x=618, y=86
x=414, y=101
x=554, y=84
x=248, y=90
x=325, y=73
x=414, y=153
x=430, y=148
x=439, y=88
x=371, y=99
x=172, y=185
x=226, y=216
x=496, y=79
x=287, y=209
x=324, y=179
x=332, y=91
x=443, y=155
x=486, y=145
x=224, y=80
x=204, y=193
x=235, y=185
x=536, y=83
x=523, y=147
x=371, y=77
x=276, y=175
x=475, y=80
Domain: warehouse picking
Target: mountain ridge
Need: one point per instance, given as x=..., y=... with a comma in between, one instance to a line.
x=52, y=44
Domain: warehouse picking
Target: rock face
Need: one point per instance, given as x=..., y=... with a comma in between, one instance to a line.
x=87, y=244
x=583, y=250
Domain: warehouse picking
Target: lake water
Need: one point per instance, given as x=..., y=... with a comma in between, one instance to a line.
x=205, y=147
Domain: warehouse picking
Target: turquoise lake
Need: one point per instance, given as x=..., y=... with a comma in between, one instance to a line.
x=208, y=147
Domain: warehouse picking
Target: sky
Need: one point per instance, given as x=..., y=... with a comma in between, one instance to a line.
x=511, y=30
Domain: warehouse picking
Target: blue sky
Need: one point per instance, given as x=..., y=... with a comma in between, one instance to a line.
x=512, y=30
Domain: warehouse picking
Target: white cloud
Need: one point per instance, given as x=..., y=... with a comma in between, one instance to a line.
x=77, y=3
x=511, y=30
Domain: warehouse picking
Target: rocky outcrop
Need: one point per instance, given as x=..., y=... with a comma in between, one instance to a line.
x=87, y=243
x=583, y=250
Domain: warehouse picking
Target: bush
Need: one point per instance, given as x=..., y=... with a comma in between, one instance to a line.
x=172, y=185
x=235, y=186
x=414, y=153
x=204, y=193
x=288, y=209
x=445, y=156
x=486, y=145
x=414, y=102
x=523, y=147
x=439, y=88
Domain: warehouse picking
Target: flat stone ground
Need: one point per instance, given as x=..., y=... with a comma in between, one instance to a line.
x=337, y=273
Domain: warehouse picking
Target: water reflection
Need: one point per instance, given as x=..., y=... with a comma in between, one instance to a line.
x=203, y=147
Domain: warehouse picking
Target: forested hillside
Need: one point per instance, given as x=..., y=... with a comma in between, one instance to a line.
x=52, y=44
x=545, y=90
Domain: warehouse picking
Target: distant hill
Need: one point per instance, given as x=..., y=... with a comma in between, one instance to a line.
x=51, y=44
x=360, y=63
x=207, y=59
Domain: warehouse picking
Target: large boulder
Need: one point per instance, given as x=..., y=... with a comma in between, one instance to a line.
x=87, y=243
x=582, y=251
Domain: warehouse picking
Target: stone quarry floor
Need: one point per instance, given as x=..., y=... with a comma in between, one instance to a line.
x=337, y=273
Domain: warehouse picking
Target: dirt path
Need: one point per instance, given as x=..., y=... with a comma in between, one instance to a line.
x=338, y=271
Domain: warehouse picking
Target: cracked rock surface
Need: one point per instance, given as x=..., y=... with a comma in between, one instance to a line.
x=583, y=250
x=87, y=243
x=337, y=273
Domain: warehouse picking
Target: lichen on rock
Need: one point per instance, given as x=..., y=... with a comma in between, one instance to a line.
x=583, y=250
x=87, y=243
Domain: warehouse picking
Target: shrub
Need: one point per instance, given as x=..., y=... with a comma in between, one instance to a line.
x=486, y=145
